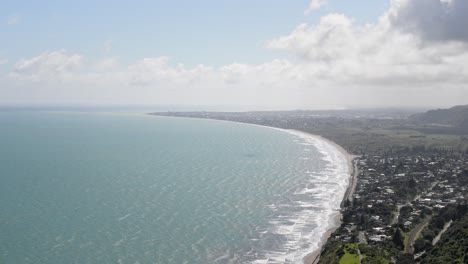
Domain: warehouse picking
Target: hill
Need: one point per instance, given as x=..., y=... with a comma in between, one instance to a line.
x=453, y=246
x=456, y=116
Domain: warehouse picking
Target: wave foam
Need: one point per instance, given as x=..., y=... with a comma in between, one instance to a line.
x=315, y=211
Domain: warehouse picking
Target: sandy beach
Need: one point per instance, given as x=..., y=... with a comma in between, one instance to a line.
x=314, y=257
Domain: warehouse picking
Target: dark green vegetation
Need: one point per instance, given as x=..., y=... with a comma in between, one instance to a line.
x=453, y=244
x=398, y=239
x=453, y=248
x=412, y=181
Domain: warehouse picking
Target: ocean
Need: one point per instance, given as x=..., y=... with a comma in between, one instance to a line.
x=133, y=188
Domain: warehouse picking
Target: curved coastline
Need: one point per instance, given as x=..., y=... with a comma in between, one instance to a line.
x=312, y=255
x=335, y=222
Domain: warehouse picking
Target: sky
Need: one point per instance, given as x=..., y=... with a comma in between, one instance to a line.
x=276, y=54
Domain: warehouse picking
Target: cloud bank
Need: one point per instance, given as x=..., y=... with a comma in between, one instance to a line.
x=415, y=54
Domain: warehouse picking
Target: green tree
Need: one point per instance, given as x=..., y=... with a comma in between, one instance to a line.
x=405, y=259
x=398, y=239
x=412, y=183
x=419, y=245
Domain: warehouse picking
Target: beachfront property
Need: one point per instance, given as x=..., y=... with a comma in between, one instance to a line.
x=404, y=191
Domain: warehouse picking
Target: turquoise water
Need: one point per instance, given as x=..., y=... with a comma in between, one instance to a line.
x=115, y=188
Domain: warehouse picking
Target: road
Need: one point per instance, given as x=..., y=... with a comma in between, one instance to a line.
x=413, y=235
x=362, y=238
x=396, y=215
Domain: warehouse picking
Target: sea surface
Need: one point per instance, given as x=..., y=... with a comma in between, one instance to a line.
x=132, y=188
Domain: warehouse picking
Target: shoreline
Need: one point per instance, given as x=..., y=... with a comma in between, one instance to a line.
x=314, y=256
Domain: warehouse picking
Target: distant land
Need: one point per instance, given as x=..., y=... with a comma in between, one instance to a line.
x=361, y=131
x=454, y=119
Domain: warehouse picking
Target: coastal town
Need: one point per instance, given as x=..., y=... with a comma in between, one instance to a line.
x=412, y=193
x=409, y=188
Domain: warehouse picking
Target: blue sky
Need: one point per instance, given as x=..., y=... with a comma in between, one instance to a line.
x=274, y=54
x=192, y=32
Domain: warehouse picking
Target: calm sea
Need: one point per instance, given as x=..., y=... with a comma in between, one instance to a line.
x=116, y=188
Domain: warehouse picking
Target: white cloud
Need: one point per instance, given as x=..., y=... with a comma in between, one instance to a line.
x=106, y=65
x=48, y=66
x=337, y=62
x=315, y=5
x=325, y=41
x=381, y=54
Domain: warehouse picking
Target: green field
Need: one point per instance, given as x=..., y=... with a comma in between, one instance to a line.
x=351, y=255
